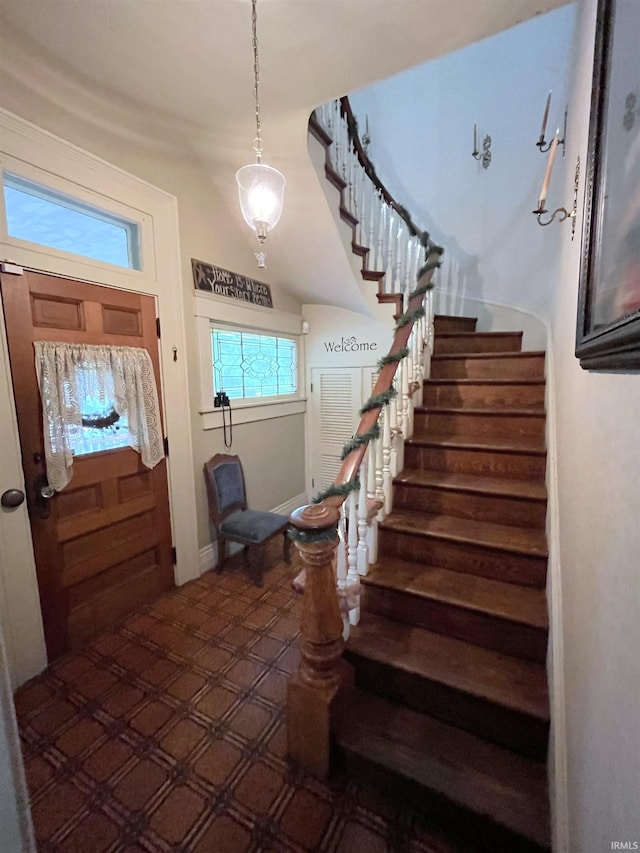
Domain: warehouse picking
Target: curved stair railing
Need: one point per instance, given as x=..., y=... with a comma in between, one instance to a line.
x=392, y=247
x=336, y=535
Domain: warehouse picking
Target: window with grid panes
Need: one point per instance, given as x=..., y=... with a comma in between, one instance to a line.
x=251, y=365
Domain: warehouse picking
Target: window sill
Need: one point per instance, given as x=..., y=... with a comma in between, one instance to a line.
x=243, y=413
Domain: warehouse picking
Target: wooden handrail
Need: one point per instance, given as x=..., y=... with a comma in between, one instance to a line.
x=351, y=464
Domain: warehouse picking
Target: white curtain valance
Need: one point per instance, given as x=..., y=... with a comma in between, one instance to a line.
x=121, y=377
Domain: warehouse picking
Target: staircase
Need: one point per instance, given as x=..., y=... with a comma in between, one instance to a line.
x=451, y=706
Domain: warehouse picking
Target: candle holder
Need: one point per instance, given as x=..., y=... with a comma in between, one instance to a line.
x=485, y=155
x=544, y=146
x=562, y=212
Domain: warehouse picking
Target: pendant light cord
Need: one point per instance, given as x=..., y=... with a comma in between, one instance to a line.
x=258, y=144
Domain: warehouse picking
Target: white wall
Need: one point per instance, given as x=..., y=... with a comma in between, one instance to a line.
x=16, y=830
x=421, y=127
x=598, y=415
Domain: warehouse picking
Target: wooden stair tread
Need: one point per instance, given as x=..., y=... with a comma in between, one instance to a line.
x=506, y=681
x=473, y=483
x=517, y=444
x=479, y=334
x=488, y=411
x=480, y=776
x=498, y=382
x=455, y=317
x=517, y=540
x=510, y=354
x=523, y=604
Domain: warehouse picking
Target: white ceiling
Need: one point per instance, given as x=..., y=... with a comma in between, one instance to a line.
x=188, y=63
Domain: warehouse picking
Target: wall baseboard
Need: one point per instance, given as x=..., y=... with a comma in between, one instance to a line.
x=209, y=554
x=558, y=778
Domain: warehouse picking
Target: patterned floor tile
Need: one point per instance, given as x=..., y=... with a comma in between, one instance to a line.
x=167, y=733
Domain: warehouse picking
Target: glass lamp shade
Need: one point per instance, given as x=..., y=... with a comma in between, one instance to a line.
x=261, y=192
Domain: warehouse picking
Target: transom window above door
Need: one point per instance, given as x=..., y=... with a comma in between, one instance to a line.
x=38, y=214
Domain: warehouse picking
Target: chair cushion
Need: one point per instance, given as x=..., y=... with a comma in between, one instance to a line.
x=228, y=483
x=252, y=526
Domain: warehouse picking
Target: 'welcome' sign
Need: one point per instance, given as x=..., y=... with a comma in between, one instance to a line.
x=224, y=283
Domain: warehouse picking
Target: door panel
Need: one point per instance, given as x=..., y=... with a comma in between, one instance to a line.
x=105, y=547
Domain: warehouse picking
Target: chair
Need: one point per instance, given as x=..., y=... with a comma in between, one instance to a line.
x=233, y=521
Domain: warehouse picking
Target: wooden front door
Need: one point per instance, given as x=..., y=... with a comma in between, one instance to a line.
x=103, y=544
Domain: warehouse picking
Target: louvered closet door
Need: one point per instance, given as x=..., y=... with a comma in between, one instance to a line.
x=335, y=403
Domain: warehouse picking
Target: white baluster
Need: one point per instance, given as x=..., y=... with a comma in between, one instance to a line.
x=388, y=275
x=371, y=242
x=358, y=199
x=399, y=282
x=419, y=360
x=353, y=180
x=404, y=398
x=379, y=479
x=409, y=275
x=341, y=571
x=387, y=479
x=409, y=402
x=365, y=203
x=362, y=559
x=397, y=257
x=353, y=578
x=372, y=527
x=392, y=409
x=346, y=146
x=381, y=234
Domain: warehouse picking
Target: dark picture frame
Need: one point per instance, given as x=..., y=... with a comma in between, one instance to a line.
x=608, y=325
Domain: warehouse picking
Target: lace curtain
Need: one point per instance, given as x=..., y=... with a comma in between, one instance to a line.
x=121, y=377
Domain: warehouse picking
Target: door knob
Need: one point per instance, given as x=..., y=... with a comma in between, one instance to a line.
x=12, y=498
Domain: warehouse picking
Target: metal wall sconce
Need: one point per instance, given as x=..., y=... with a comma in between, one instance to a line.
x=562, y=212
x=542, y=143
x=485, y=155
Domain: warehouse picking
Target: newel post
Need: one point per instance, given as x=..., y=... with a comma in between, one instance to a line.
x=315, y=690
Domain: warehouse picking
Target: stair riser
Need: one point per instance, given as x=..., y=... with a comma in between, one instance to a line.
x=464, y=423
x=463, y=557
x=481, y=629
x=444, y=343
x=484, y=396
x=464, y=828
x=489, y=463
x=507, y=367
x=445, y=325
x=482, y=507
x=514, y=729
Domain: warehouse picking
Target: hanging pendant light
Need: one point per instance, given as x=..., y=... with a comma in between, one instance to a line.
x=260, y=187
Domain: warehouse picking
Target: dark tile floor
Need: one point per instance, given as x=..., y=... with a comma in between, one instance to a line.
x=168, y=734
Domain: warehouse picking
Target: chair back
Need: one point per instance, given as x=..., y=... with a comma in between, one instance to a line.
x=225, y=486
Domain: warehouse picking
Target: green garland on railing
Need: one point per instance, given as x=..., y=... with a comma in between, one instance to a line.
x=430, y=265
x=393, y=357
x=359, y=440
x=308, y=537
x=409, y=317
x=377, y=401
x=337, y=491
x=420, y=291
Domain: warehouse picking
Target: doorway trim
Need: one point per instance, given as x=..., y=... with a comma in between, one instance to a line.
x=81, y=172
